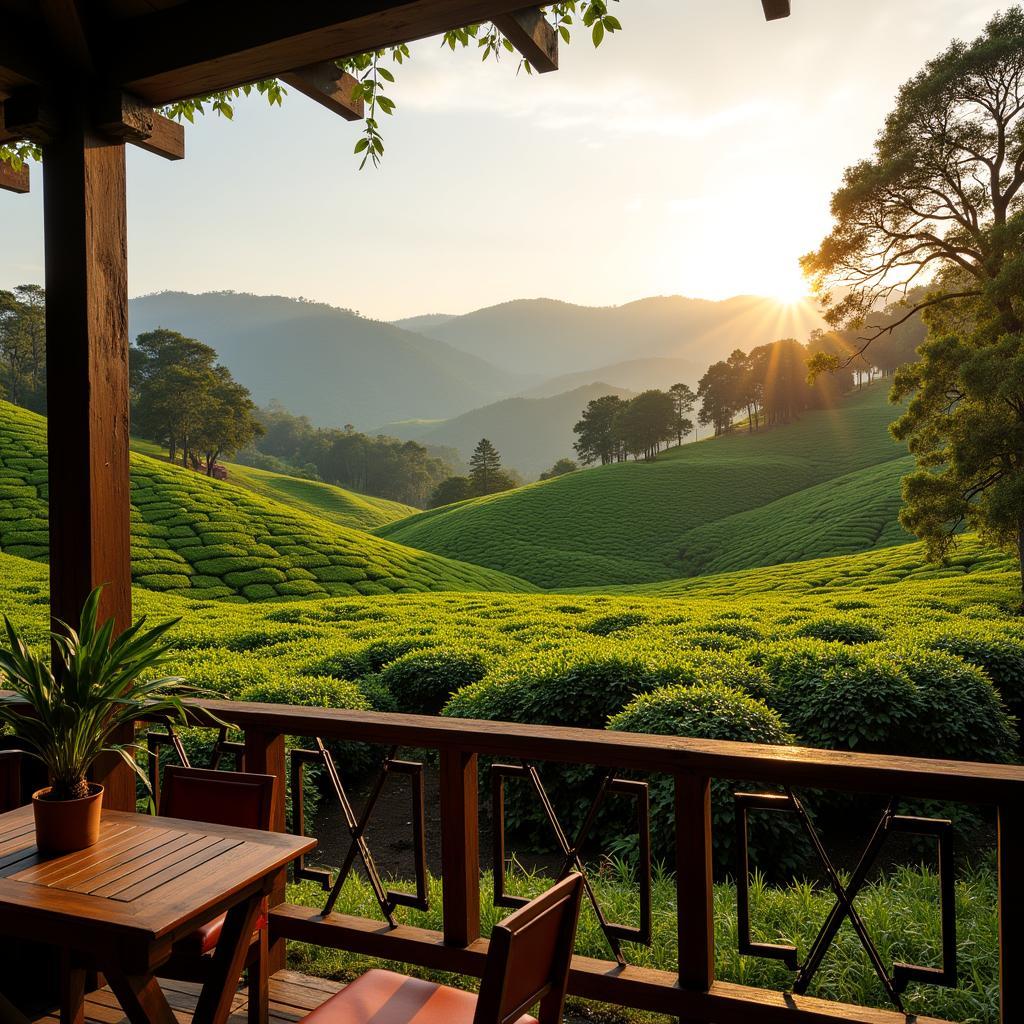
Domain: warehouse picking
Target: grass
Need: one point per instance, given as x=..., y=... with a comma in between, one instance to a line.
x=643, y=522
x=899, y=909
x=209, y=539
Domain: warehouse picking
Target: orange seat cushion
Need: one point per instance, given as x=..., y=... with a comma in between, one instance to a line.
x=387, y=998
x=205, y=938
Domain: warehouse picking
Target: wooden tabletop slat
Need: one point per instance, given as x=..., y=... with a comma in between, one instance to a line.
x=153, y=865
x=114, y=872
x=148, y=878
x=71, y=872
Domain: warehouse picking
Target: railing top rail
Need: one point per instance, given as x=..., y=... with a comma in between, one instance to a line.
x=968, y=781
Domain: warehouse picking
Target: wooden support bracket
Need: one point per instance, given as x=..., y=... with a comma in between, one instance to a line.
x=123, y=116
x=775, y=9
x=27, y=116
x=533, y=36
x=328, y=86
x=12, y=180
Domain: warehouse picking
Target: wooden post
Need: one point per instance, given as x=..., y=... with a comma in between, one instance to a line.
x=87, y=384
x=460, y=847
x=1010, y=857
x=265, y=755
x=694, y=892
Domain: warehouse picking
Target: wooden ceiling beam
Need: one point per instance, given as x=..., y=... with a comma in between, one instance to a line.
x=330, y=87
x=775, y=9
x=12, y=180
x=197, y=47
x=67, y=30
x=22, y=60
x=533, y=36
x=27, y=116
x=126, y=117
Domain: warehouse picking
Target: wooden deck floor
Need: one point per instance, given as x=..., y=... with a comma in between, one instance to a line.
x=292, y=996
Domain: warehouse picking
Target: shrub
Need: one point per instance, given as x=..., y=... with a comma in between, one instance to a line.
x=1001, y=658
x=840, y=630
x=720, y=713
x=422, y=681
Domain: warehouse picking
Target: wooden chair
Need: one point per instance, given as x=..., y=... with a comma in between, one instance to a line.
x=243, y=800
x=528, y=963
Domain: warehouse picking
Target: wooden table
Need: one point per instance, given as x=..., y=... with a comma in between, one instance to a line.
x=122, y=904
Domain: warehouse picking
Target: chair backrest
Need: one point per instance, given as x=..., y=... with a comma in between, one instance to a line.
x=10, y=780
x=239, y=799
x=529, y=957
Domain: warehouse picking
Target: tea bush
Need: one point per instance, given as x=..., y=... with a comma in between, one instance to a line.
x=421, y=682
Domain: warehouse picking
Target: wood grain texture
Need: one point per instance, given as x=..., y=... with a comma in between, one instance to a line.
x=163, y=56
x=972, y=782
x=329, y=87
x=123, y=116
x=460, y=847
x=695, y=898
x=533, y=36
x=11, y=180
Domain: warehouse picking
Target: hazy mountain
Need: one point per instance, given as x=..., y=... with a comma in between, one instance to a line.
x=544, y=336
x=427, y=320
x=633, y=374
x=326, y=363
x=530, y=433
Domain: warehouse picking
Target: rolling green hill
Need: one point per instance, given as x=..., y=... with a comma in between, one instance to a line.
x=641, y=522
x=205, y=538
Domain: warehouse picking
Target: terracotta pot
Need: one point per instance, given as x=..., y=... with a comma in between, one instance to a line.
x=63, y=826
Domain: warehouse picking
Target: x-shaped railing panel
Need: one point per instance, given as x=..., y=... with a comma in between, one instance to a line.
x=572, y=851
x=902, y=974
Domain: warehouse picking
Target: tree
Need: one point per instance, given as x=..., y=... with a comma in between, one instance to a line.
x=226, y=420
x=597, y=440
x=940, y=204
x=23, y=346
x=560, y=468
x=683, y=401
x=485, y=470
x=716, y=391
x=644, y=422
x=455, y=488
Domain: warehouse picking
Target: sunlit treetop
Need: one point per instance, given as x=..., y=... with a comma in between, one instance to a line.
x=940, y=202
x=375, y=73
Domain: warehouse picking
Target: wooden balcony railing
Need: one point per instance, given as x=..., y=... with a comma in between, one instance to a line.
x=691, y=994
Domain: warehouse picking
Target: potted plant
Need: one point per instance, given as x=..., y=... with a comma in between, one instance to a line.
x=67, y=716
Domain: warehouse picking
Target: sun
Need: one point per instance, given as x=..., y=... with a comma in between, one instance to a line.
x=788, y=287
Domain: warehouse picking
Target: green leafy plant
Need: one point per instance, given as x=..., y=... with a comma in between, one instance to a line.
x=68, y=715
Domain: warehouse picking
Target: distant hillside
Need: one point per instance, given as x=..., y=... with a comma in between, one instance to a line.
x=732, y=502
x=632, y=374
x=545, y=336
x=204, y=538
x=418, y=323
x=329, y=364
x=530, y=433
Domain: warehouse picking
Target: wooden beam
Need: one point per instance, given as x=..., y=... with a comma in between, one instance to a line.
x=122, y=116
x=196, y=47
x=775, y=9
x=22, y=60
x=67, y=31
x=12, y=180
x=330, y=87
x=533, y=36
x=27, y=116
x=84, y=222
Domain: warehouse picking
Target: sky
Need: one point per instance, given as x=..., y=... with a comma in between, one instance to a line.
x=694, y=153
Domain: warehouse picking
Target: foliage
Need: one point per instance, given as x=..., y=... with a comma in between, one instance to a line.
x=717, y=712
x=485, y=473
x=68, y=715
x=400, y=471
x=185, y=400
x=597, y=440
x=451, y=490
x=560, y=468
x=23, y=346
x=422, y=681
x=1001, y=658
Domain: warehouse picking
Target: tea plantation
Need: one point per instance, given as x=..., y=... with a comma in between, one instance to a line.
x=193, y=535
x=731, y=502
